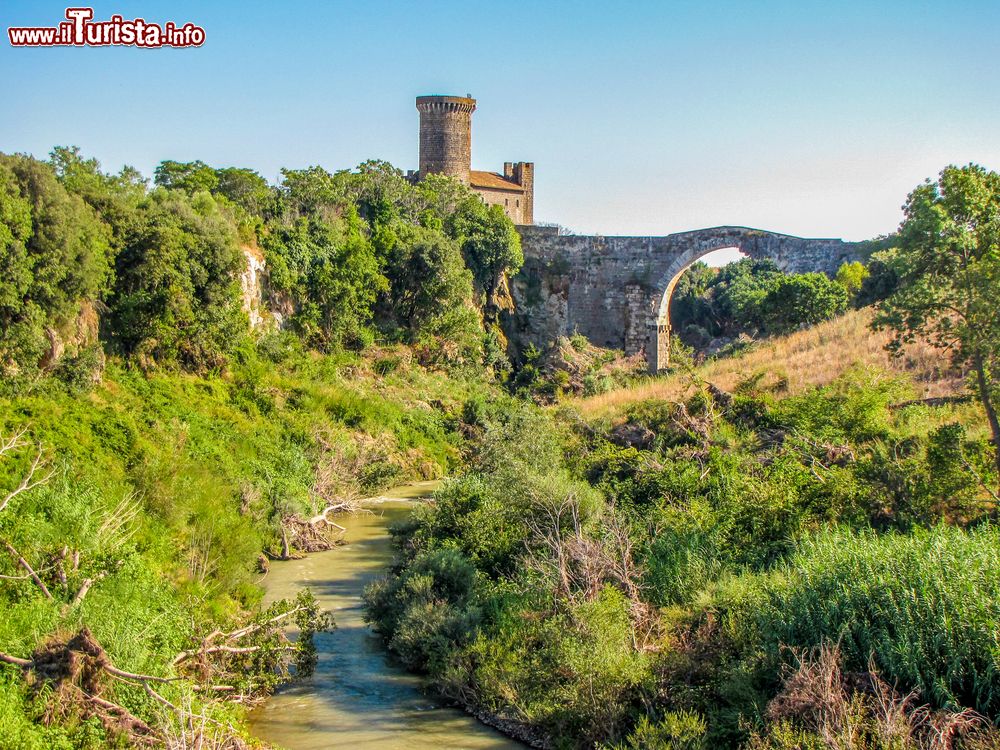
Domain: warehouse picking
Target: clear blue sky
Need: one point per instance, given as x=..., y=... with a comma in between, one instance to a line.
x=813, y=118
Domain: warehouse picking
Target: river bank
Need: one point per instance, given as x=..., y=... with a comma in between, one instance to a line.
x=358, y=695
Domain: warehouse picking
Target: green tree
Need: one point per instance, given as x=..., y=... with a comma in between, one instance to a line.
x=306, y=190
x=191, y=176
x=246, y=189
x=115, y=197
x=427, y=276
x=177, y=296
x=882, y=279
x=491, y=245
x=802, y=299
x=330, y=270
x=741, y=289
x=443, y=197
x=949, y=261
x=55, y=255
x=851, y=276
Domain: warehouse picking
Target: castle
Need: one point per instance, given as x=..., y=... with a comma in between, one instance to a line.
x=446, y=148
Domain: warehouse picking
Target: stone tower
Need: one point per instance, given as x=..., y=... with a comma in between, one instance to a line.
x=446, y=135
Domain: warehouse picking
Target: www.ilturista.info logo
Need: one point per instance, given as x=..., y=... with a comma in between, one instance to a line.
x=79, y=30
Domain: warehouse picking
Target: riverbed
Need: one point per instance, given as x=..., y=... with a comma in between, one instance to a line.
x=358, y=697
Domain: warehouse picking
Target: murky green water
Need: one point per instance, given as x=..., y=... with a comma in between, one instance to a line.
x=358, y=698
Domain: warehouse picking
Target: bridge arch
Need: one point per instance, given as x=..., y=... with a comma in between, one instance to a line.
x=616, y=291
x=661, y=329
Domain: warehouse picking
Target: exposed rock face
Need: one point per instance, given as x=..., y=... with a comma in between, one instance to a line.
x=73, y=337
x=616, y=290
x=252, y=283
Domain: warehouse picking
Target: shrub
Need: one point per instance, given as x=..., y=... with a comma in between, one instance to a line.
x=427, y=612
x=800, y=300
x=681, y=730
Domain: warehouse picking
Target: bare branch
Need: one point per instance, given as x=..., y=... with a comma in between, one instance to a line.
x=208, y=643
x=85, y=587
x=31, y=572
x=16, y=661
x=13, y=442
x=28, y=482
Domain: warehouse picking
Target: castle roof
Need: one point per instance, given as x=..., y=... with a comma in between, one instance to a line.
x=493, y=181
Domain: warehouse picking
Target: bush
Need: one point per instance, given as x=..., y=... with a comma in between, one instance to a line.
x=427, y=612
x=800, y=300
x=681, y=730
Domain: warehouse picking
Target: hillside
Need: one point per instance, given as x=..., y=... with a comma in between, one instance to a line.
x=811, y=357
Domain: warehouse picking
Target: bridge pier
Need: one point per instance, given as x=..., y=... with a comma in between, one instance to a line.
x=658, y=348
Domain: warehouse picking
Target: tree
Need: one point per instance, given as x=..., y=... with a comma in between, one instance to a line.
x=115, y=197
x=191, y=176
x=491, y=245
x=851, y=276
x=882, y=279
x=802, y=299
x=741, y=288
x=430, y=297
x=54, y=255
x=330, y=270
x=245, y=188
x=426, y=277
x=305, y=191
x=949, y=265
x=177, y=294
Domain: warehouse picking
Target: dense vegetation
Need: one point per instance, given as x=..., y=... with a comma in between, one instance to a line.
x=745, y=567
x=753, y=297
x=748, y=566
x=153, y=445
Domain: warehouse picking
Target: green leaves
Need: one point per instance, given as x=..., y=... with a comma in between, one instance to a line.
x=491, y=245
x=191, y=177
x=176, y=298
x=800, y=300
x=55, y=255
x=926, y=605
x=949, y=265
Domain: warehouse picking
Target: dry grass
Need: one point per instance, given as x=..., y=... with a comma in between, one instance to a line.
x=861, y=710
x=816, y=356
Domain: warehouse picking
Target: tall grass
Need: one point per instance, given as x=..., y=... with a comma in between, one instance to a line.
x=801, y=360
x=925, y=606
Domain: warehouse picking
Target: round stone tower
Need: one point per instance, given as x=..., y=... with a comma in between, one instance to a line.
x=446, y=135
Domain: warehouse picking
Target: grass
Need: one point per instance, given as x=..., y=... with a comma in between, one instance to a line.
x=797, y=362
x=924, y=606
x=167, y=486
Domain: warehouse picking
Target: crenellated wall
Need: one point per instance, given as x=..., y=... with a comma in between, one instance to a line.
x=616, y=290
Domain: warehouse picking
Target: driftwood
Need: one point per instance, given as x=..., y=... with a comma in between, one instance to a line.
x=313, y=534
x=210, y=643
x=31, y=571
x=78, y=670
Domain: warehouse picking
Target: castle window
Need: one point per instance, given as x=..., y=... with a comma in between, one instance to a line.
x=518, y=202
x=506, y=202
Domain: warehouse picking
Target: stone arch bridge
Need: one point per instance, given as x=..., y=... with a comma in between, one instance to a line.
x=616, y=290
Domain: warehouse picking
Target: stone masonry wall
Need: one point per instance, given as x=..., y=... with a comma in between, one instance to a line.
x=513, y=203
x=446, y=135
x=616, y=290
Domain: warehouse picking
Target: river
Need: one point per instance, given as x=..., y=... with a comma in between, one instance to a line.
x=358, y=697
